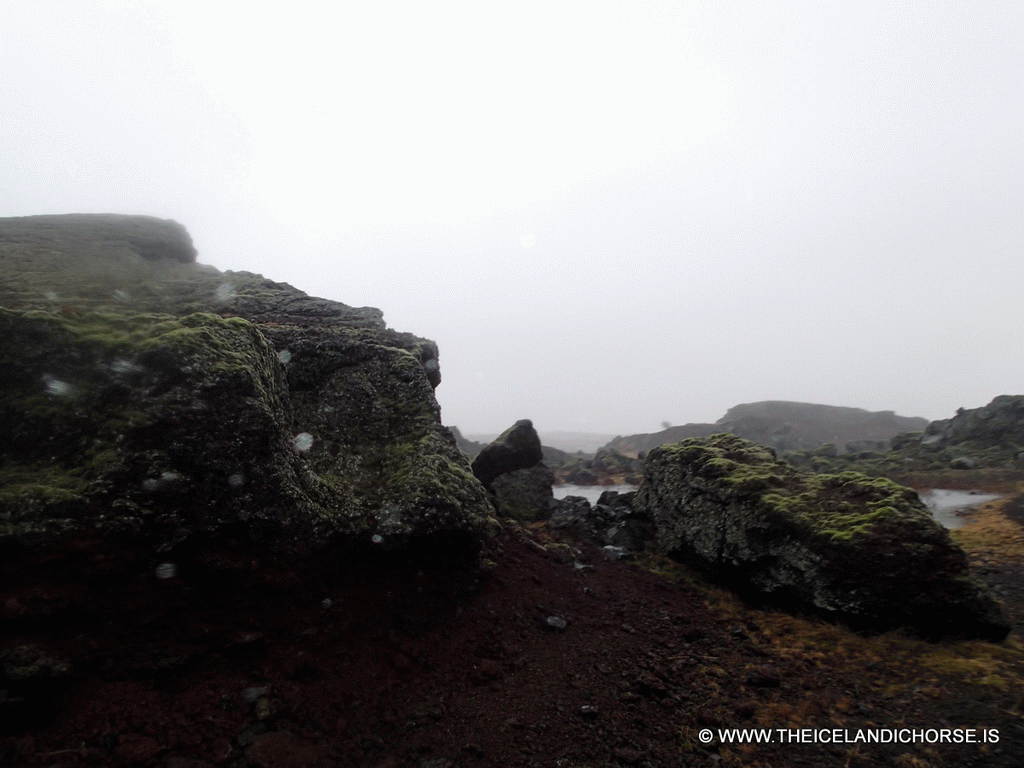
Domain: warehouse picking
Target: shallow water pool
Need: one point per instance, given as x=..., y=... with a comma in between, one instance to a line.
x=953, y=508
x=590, y=492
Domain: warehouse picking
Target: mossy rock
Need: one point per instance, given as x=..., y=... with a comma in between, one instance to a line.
x=848, y=545
x=149, y=395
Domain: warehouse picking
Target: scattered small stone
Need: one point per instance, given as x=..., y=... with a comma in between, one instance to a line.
x=136, y=748
x=616, y=553
x=263, y=708
x=254, y=693
x=280, y=749
x=556, y=623
x=764, y=677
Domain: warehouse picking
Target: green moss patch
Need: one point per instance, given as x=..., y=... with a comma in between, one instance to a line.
x=838, y=506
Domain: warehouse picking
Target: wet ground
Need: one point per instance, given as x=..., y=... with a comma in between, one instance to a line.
x=548, y=657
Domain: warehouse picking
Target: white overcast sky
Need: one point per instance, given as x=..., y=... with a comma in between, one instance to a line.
x=607, y=214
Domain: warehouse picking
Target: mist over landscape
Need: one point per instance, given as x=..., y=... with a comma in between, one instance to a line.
x=608, y=216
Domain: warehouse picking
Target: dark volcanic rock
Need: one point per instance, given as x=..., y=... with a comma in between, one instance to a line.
x=607, y=467
x=150, y=396
x=863, y=549
x=512, y=470
x=525, y=494
x=991, y=436
x=518, y=447
x=611, y=521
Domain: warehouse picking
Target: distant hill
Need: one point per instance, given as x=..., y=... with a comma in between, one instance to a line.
x=786, y=426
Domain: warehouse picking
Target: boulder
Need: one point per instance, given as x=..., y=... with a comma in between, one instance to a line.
x=149, y=396
x=525, y=494
x=518, y=447
x=860, y=549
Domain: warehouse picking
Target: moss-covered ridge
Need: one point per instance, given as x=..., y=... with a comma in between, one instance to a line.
x=847, y=544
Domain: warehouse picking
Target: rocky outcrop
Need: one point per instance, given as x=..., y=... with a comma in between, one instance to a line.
x=786, y=426
x=862, y=549
x=518, y=447
x=149, y=396
x=991, y=436
x=511, y=467
x=606, y=467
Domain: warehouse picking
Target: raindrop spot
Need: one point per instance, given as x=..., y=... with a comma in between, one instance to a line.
x=166, y=571
x=302, y=442
x=284, y=356
x=225, y=292
x=56, y=387
x=121, y=365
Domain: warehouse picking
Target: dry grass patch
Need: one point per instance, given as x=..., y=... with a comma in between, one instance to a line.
x=991, y=535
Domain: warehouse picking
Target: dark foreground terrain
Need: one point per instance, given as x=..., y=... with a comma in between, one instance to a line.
x=541, y=659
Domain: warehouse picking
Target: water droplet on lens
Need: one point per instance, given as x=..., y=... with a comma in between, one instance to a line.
x=225, y=292
x=166, y=571
x=236, y=480
x=302, y=442
x=284, y=356
x=55, y=386
x=376, y=538
x=121, y=365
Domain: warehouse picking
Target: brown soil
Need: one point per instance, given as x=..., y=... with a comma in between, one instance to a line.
x=421, y=661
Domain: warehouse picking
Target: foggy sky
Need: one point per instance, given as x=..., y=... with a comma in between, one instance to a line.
x=608, y=215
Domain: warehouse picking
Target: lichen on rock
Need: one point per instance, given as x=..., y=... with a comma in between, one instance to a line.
x=859, y=548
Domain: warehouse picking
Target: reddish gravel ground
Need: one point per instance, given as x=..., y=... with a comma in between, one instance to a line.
x=548, y=657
